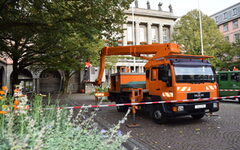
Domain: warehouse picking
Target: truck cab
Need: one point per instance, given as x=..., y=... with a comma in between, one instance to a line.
x=181, y=78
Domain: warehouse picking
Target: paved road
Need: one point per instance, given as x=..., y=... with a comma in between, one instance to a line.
x=218, y=132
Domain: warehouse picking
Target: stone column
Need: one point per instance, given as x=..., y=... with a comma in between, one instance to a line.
x=160, y=33
x=115, y=69
x=34, y=85
x=125, y=35
x=38, y=85
x=137, y=33
x=149, y=33
x=170, y=32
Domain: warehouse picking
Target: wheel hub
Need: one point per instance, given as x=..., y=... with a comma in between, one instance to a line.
x=157, y=114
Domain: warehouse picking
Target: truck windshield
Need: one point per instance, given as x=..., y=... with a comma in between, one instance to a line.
x=194, y=74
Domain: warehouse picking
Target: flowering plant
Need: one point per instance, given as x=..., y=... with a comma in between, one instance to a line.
x=18, y=103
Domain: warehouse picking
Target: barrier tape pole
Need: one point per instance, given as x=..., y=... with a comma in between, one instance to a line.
x=145, y=103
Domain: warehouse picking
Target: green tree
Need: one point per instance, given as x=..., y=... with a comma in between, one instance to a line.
x=187, y=34
x=78, y=52
x=235, y=51
x=31, y=31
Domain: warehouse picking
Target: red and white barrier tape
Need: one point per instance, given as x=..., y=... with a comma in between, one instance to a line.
x=147, y=103
x=227, y=90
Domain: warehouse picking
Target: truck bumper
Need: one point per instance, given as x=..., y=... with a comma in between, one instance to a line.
x=181, y=109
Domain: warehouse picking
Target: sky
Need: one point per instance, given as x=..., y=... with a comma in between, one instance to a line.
x=181, y=7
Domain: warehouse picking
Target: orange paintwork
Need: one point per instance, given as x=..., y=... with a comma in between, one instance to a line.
x=162, y=54
x=123, y=78
x=159, y=50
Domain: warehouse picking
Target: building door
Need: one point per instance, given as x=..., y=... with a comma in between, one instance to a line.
x=50, y=81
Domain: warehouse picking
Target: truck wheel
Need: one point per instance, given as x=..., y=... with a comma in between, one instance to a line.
x=158, y=116
x=198, y=116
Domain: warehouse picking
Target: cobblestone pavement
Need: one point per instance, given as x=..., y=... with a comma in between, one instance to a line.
x=220, y=131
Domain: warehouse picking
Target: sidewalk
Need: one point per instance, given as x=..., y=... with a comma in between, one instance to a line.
x=78, y=99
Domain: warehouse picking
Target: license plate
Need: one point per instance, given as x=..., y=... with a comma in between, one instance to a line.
x=200, y=106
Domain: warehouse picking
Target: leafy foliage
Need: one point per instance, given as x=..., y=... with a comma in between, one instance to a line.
x=187, y=34
x=53, y=128
x=42, y=31
x=235, y=51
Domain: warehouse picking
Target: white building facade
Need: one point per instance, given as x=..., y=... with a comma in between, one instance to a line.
x=145, y=26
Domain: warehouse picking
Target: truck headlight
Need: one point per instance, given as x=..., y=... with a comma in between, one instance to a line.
x=180, y=108
x=215, y=105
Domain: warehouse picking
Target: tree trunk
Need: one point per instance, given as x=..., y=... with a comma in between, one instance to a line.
x=66, y=82
x=14, y=76
x=68, y=74
x=66, y=85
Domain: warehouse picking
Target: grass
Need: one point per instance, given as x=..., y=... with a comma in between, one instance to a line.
x=51, y=129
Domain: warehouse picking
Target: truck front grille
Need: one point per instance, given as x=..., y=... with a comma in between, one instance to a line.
x=198, y=95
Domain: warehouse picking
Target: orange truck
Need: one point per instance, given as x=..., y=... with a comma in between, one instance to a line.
x=168, y=76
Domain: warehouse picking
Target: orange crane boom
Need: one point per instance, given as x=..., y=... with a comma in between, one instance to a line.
x=159, y=50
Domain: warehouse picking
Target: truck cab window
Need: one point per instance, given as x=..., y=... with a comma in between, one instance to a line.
x=147, y=74
x=194, y=74
x=164, y=73
x=235, y=77
x=224, y=77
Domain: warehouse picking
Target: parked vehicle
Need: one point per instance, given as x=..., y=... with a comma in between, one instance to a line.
x=169, y=76
x=229, y=80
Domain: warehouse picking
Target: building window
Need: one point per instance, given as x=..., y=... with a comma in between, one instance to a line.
x=216, y=18
x=226, y=38
x=154, y=34
x=129, y=33
x=236, y=37
x=225, y=15
x=224, y=77
x=166, y=35
x=235, y=24
x=225, y=27
x=234, y=11
x=142, y=33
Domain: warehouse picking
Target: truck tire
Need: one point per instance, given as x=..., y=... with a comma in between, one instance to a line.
x=198, y=116
x=158, y=117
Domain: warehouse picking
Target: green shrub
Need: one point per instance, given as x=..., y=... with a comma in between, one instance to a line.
x=56, y=129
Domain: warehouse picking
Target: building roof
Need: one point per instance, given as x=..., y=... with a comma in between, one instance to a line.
x=225, y=9
x=151, y=13
x=227, y=14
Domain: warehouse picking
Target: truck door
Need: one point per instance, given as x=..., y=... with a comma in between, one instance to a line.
x=154, y=86
x=224, y=83
x=160, y=80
